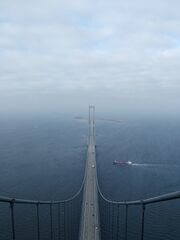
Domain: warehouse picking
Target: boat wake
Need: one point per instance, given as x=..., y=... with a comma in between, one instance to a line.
x=155, y=165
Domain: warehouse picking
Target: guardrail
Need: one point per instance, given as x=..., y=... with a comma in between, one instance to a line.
x=68, y=215
x=110, y=213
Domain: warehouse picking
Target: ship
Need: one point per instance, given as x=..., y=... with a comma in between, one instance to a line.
x=122, y=163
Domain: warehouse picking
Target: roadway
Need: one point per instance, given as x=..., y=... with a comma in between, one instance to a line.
x=90, y=212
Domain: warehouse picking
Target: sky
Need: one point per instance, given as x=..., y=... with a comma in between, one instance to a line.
x=58, y=55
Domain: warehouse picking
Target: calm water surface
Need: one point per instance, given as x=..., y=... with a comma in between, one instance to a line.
x=45, y=158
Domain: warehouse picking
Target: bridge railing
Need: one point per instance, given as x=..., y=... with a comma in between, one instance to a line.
x=115, y=217
x=61, y=219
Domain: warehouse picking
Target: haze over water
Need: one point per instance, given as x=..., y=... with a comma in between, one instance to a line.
x=42, y=147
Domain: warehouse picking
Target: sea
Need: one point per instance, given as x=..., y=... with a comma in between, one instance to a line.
x=43, y=157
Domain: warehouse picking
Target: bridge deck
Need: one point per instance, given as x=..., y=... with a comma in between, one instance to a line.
x=90, y=212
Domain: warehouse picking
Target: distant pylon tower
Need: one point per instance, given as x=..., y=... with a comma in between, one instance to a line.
x=92, y=121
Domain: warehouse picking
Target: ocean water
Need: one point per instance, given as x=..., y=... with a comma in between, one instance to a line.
x=44, y=158
x=153, y=145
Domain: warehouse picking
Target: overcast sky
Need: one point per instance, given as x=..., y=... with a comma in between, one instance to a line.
x=66, y=53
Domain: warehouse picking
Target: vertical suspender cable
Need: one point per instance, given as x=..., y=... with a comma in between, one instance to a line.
x=142, y=223
x=12, y=219
x=72, y=215
x=107, y=220
x=112, y=222
x=38, y=225
x=51, y=222
x=64, y=217
x=126, y=222
x=118, y=216
x=59, y=226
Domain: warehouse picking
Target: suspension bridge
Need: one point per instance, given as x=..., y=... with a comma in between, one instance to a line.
x=88, y=215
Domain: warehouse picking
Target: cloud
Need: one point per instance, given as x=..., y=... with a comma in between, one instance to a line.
x=112, y=48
